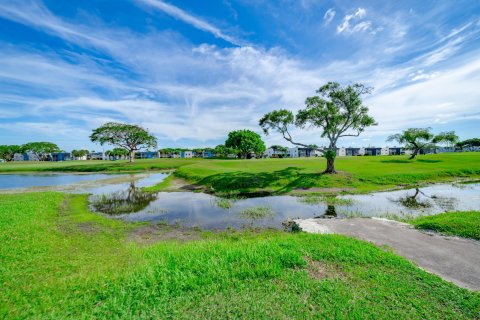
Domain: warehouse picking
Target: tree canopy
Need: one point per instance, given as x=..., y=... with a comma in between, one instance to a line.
x=127, y=136
x=79, y=153
x=417, y=139
x=8, y=151
x=469, y=143
x=41, y=149
x=337, y=110
x=245, y=142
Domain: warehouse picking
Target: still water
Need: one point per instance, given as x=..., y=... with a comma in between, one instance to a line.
x=120, y=196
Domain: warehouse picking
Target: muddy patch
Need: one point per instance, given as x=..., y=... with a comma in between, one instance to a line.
x=155, y=233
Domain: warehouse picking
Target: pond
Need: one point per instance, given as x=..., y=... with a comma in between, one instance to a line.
x=120, y=196
x=209, y=212
x=29, y=180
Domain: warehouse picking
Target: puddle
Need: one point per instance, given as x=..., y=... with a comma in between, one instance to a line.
x=120, y=196
x=210, y=212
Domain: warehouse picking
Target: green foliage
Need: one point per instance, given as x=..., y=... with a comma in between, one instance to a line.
x=338, y=111
x=463, y=224
x=8, y=151
x=474, y=142
x=79, y=153
x=416, y=139
x=117, y=152
x=222, y=151
x=127, y=136
x=245, y=142
x=58, y=261
x=41, y=149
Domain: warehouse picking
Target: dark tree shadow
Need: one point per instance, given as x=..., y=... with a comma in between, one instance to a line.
x=429, y=160
x=242, y=183
x=397, y=161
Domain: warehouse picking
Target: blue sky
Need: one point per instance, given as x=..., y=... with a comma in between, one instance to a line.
x=191, y=71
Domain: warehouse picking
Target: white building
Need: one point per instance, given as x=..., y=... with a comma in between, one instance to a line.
x=275, y=153
x=186, y=154
x=297, y=152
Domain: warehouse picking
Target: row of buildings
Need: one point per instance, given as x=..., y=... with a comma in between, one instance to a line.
x=67, y=156
x=297, y=152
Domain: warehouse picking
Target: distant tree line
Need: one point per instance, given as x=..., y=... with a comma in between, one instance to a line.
x=42, y=150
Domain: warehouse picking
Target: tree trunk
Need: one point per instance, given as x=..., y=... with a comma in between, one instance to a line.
x=414, y=154
x=131, y=156
x=330, y=166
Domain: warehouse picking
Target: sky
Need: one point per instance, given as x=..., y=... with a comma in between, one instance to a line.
x=191, y=71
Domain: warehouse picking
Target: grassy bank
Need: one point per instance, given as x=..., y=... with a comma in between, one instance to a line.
x=357, y=174
x=95, y=165
x=462, y=224
x=57, y=260
x=276, y=176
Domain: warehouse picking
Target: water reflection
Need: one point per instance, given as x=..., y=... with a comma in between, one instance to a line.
x=414, y=201
x=131, y=200
x=210, y=212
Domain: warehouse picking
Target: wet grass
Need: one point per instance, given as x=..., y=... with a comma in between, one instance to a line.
x=462, y=224
x=58, y=260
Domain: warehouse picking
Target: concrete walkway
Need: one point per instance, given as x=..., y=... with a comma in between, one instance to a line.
x=453, y=259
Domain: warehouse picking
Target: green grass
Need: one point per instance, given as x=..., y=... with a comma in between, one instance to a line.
x=357, y=174
x=462, y=224
x=277, y=176
x=58, y=260
x=96, y=165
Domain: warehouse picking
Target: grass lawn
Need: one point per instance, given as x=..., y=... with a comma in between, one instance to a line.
x=463, y=224
x=58, y=260
x=276, y=176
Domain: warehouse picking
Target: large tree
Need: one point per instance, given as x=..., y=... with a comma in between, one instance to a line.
x=8, y=151
x=416, y=139
x=127, y=136
x=245, y=142
x=41, y=149
x=338, y=111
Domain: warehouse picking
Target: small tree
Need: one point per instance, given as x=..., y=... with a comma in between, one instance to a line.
x=469, y=143
x=245, y=142
x=79, y=153
x=41, y=149
x=127, y=136
x=416, y=139
x=280, y=149
x=7, y=152
x=338, y=111
x=117, y=152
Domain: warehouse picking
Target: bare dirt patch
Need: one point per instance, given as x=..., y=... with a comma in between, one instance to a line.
x=320, y=270
x=154, y=233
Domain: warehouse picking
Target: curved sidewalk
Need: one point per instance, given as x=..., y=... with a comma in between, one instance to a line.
x=453, y=259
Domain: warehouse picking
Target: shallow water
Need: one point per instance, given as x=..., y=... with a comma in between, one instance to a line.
x=209, y=212
x=29, y=180
x=120, y=196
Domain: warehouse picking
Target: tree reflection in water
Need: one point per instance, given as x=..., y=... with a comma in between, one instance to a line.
x=131, y=200
x=412, y=202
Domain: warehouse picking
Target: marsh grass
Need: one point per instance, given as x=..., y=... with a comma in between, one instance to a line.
x=325, y=199
x=257, y=213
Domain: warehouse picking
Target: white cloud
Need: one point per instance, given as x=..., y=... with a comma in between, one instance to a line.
x=349, y=26
x=329, y=15
x=188, y=18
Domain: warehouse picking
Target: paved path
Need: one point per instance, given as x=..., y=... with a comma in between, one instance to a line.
x=454, y=259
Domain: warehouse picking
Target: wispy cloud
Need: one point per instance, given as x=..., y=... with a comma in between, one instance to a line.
x=328, y=16
x=190, y=19
x=352, y=23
